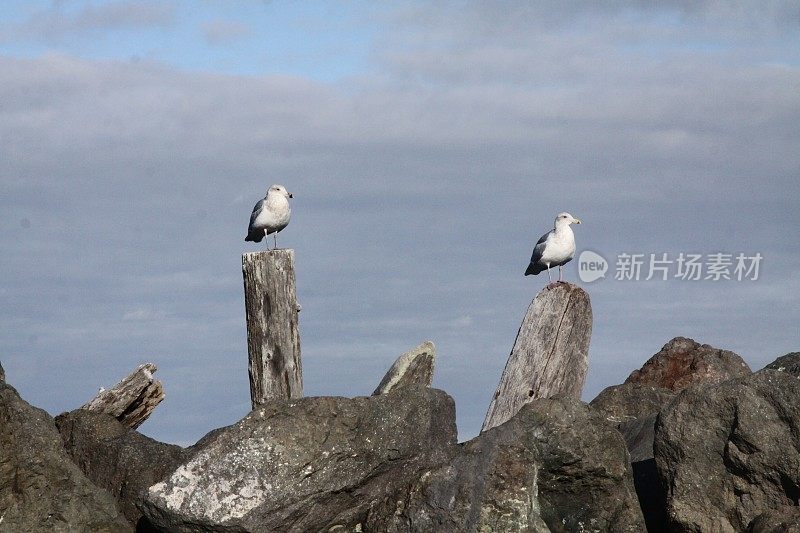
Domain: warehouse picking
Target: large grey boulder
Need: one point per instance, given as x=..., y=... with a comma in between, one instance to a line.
x=683, y=362
x=789, y=363
x=555, y=466
x=415, y=368
x=391, y=463
x=727, y=453
x=312, y=464
x=116, y=458
x=41, y=489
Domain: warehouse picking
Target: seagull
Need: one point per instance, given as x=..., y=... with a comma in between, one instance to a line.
x=270, y=215
x=554, y=248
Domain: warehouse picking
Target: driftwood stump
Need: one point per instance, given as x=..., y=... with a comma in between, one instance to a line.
x=273, y=339
x=550, y=354
x=131, y=400
x=415, y=367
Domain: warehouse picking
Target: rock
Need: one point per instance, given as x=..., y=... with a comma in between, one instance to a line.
x=631, y=401
x=41, y=489
x=651, y=500
x=414, y=367
x=785, y=519
x=555, y=466
x=729, y=452
x=2, y=374
x=635, y=404
x=132, y=400
x=638, y=435
x=633, y=408
x=311, y=464
x=683, y=362
x=391, y=463
x=789, y=363
x=550, y=354
x=116, y=458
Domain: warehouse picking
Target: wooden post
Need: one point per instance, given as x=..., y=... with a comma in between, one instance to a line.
x=273, y=339
x=131, y=400
x=550, y=355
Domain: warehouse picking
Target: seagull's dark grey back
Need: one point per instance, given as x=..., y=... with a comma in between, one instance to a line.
x=538, y=250
x=256, y=210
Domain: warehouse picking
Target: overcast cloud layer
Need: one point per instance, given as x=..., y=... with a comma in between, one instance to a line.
x=421, y=182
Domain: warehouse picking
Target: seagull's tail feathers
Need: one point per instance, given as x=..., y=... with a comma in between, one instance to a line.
x=254, y=236
x=534, y=269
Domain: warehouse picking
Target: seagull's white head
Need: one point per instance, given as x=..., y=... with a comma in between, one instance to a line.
x=279, y=189
x=565, y=219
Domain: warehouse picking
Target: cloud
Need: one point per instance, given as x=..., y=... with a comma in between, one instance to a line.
x=220, y=32
x=559, y=43
x=479, y=21
x=420, y=188
x=144, y=314
x=63, y=21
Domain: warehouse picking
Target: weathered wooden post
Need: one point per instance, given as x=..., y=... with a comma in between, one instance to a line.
x=550, y=355
x=273, y=339
x=131, y=400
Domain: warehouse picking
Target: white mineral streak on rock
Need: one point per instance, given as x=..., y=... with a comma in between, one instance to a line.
x=215, y=498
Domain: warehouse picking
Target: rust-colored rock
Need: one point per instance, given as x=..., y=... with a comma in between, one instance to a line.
x=683, y=362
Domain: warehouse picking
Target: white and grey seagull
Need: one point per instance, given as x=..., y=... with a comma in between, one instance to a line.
x=270, y=215
x=554, y=248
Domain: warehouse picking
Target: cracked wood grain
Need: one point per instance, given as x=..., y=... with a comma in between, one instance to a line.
x=550, y=353
x=273, y=338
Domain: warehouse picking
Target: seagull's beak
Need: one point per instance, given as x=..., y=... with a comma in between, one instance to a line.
x=576, y=221
x=290, y=195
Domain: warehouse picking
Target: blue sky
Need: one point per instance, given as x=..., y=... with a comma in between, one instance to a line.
x=428, y=146
x=323, y=41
